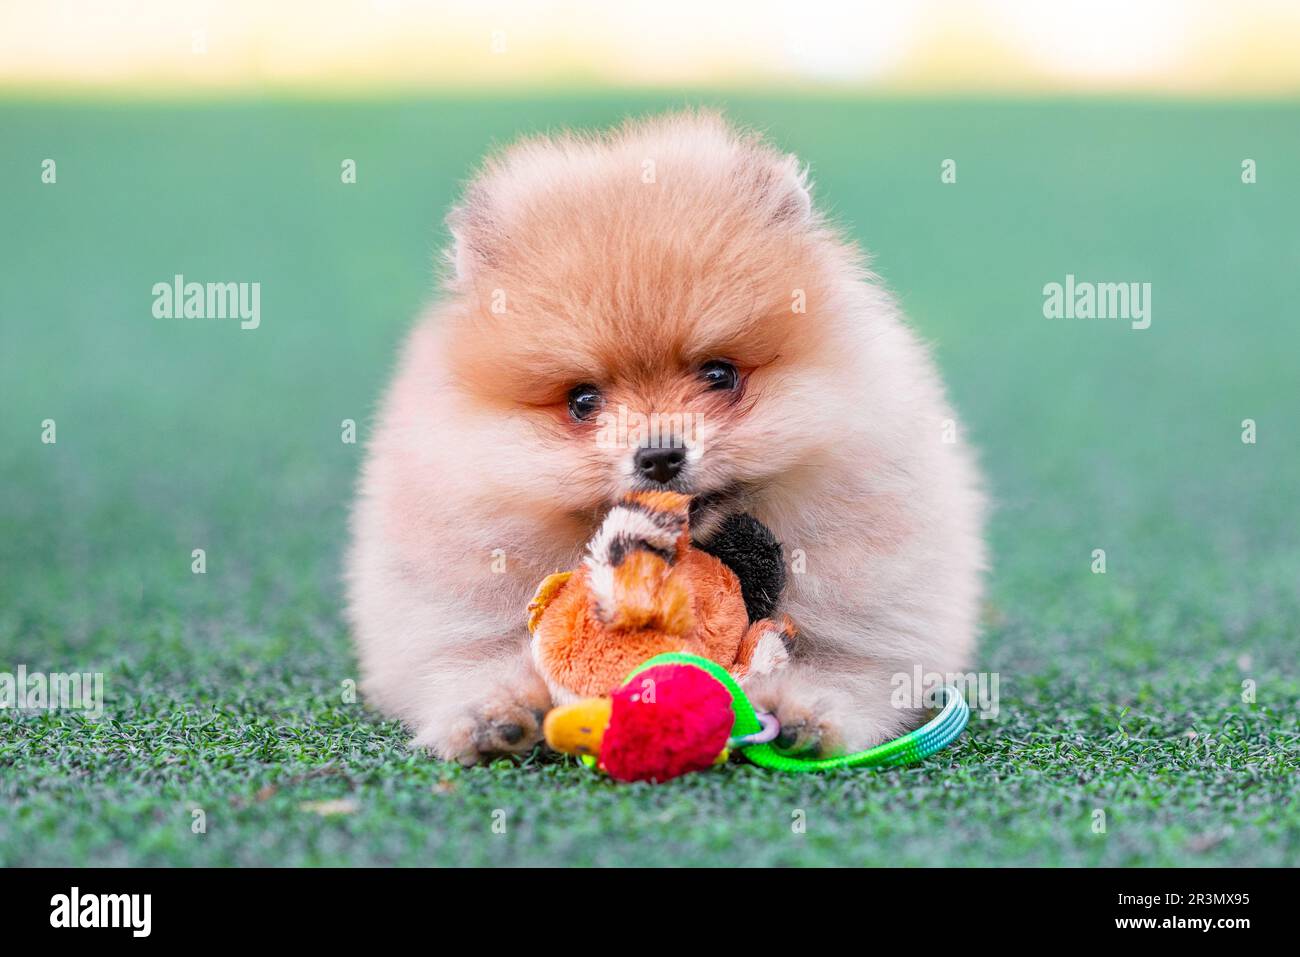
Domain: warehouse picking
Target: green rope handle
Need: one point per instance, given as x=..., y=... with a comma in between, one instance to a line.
x=935, y=735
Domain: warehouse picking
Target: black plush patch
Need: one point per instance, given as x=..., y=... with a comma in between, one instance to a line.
x=748, y=548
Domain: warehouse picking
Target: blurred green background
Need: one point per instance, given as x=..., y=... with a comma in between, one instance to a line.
x=1121, y=692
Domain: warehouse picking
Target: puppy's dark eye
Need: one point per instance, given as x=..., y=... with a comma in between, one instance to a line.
x=719, y=376
x=585, y=401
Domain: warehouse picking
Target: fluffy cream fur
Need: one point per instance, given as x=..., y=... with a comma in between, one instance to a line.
x=626, y=261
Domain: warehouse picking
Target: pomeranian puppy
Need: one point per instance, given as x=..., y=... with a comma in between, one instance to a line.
x=660, y=307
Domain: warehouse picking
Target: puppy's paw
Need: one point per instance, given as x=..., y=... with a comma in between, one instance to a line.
x=802, y=731
x=807, y=723
x=507, y=723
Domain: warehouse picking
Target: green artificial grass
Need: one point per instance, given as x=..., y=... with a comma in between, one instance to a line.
x=1120, y=692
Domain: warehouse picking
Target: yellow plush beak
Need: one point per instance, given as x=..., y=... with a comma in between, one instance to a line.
x=578, y=728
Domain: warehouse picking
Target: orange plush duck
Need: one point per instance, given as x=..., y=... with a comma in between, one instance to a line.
x=643, y=590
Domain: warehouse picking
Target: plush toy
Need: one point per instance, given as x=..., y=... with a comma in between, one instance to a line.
x=646, y=647
x=643, y=590
x=679, y=713
x=667, y=720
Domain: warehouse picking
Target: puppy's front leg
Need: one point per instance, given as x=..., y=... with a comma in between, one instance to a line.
x=480, y=708
x=829, y=710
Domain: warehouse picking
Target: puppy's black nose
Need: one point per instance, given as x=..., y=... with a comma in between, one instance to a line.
x=659, y=465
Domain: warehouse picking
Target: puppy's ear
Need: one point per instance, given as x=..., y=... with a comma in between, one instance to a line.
x=473, y=234
x=779, y=186
x=794, y=207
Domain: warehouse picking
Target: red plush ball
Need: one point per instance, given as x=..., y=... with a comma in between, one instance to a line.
x=667, y=721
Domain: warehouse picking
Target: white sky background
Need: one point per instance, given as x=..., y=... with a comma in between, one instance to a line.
x=1173, y=46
